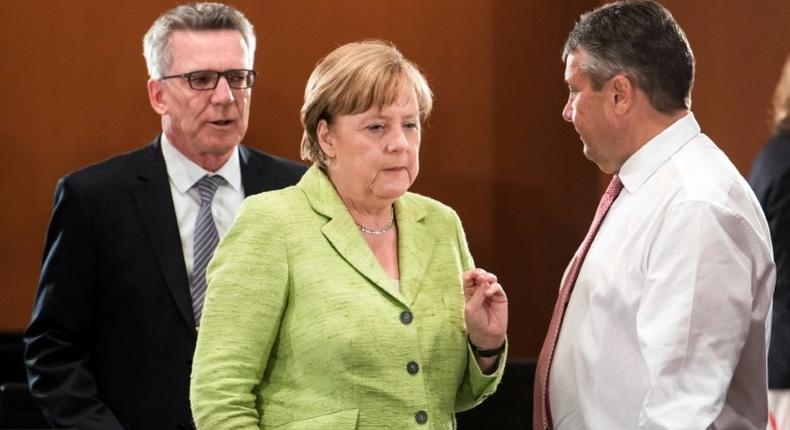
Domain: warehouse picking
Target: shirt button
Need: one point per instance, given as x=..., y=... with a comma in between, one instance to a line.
x=421, y=417
x=412, y=368
x=405, y=317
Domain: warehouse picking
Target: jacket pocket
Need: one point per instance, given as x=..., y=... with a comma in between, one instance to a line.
x=340, y=420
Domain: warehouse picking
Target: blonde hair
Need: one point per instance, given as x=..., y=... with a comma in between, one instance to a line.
x=781, y=107
x=352, y=79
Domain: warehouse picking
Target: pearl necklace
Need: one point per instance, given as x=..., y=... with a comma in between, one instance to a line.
x=385, y=229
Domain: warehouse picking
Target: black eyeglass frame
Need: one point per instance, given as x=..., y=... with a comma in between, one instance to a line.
x=190, y=75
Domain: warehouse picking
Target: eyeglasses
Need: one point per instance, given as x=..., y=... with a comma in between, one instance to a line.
x=208, y=79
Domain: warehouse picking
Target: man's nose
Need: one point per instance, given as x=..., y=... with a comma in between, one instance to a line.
x=567, y=111
x=222, y=93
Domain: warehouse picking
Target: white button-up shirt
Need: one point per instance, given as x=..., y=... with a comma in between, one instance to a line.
x=666, y=327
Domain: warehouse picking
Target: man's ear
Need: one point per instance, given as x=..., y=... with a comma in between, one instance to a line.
x=326, y=139
x=623, y=92
x=156, y=96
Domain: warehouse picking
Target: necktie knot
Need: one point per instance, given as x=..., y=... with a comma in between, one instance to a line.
x=614, y=188
x=608, y=197
x=207, y=187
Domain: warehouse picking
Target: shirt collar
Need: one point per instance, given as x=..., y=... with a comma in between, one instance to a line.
x=184, y=173
x=643, y=163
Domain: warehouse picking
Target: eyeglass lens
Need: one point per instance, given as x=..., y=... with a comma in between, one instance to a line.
x=208, y=79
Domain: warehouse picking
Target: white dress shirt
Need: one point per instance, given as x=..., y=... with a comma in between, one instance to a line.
x=666, y=327
x=184, y=174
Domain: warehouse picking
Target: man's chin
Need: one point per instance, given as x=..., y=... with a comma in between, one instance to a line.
x=587, y=153
x=222, y=144
x=595, y=160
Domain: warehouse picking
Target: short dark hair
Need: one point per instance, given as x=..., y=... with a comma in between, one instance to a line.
x=641, y=39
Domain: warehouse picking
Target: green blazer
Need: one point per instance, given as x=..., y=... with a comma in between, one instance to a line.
x=302, y=329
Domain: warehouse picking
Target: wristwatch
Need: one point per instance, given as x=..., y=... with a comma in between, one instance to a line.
x=480, y=352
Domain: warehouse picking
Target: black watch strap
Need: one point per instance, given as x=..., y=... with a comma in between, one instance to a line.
x=487, y=352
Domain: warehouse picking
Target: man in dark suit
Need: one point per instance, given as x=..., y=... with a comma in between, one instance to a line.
x=113, y=329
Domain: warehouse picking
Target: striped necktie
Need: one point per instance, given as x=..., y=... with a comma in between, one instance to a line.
x=205, y=239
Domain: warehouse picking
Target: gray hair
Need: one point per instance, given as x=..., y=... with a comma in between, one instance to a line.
x=641, y=39
x=191, y=17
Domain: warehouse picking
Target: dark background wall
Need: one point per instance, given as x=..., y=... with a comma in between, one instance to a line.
x=72, y=92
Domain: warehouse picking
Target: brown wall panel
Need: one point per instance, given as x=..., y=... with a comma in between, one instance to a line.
x=740, y=48
x=545, y=190
x=72, y=92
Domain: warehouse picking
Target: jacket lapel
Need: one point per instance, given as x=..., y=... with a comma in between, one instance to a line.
x=341, y=231
x=251, y=178
x=151, y=192
x=415, y=247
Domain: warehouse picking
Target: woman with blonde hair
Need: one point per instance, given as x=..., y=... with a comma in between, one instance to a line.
x=347, y=302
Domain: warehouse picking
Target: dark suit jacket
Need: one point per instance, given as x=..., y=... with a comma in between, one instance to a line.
x=112, y=334
x=770, y=179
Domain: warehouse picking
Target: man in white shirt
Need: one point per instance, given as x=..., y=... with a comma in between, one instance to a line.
x=113, y=330
x=665, y=327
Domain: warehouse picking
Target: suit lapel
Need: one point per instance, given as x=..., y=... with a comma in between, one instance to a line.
x=415, y=247
x=251, y=178
x=341, y=231
x=151, y=191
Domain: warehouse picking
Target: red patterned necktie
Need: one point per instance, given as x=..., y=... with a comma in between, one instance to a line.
x=541, y=418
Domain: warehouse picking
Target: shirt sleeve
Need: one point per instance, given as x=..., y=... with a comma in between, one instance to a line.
x=703, y=271
x=244, y=304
